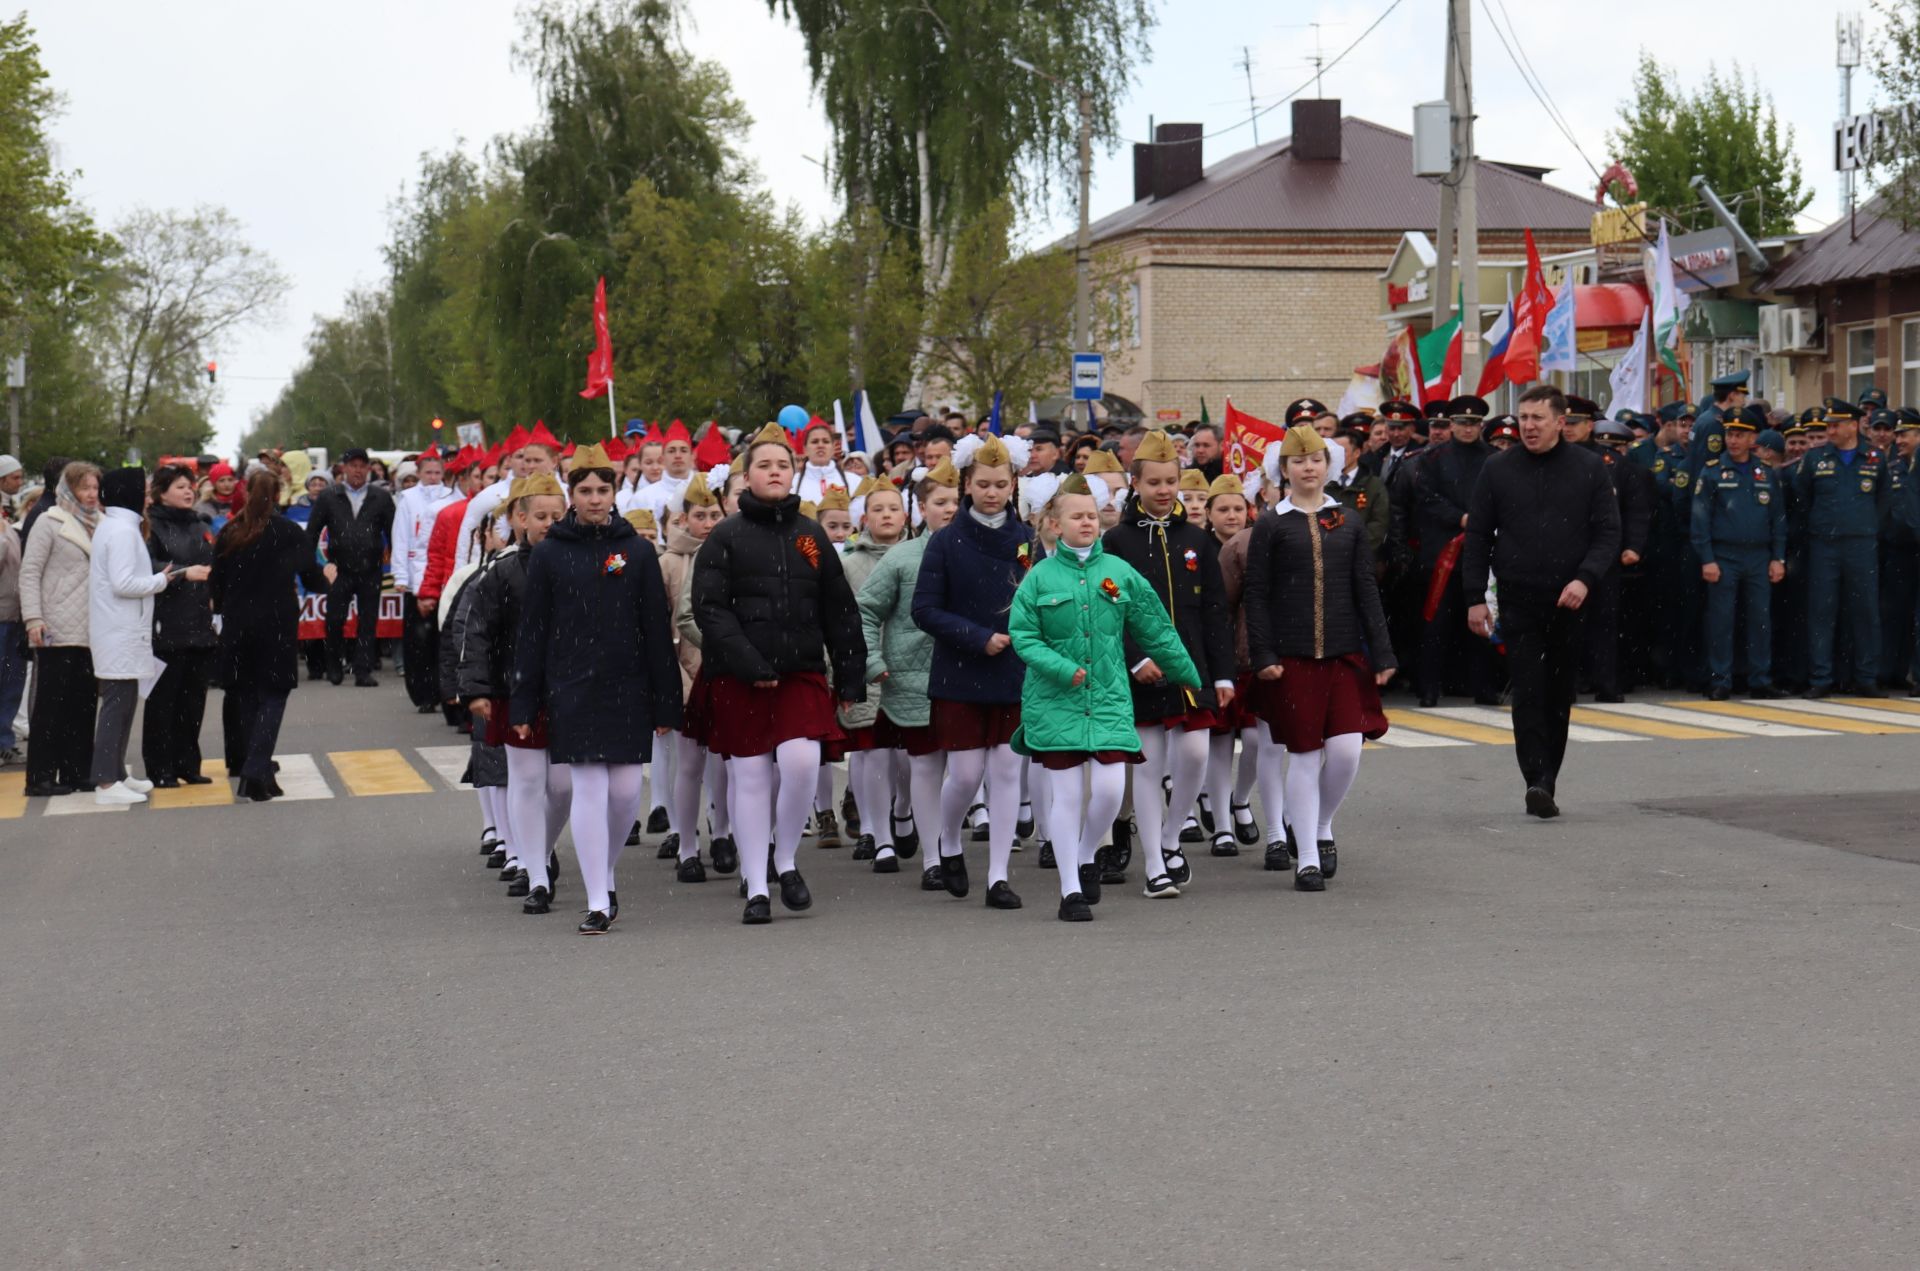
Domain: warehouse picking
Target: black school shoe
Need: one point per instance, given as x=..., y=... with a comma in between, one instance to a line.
x=1075, y=909
x=1023, y=828
x=1002, y=896
x=596, y=924
x=793, y=891
x=849, y=813
x=1090, y=883
x=759, y=912
x=196, y=778
x=1179, y=869
x=1278, y=859
x=726, y=857
x=1247, y=831
x=669, y=849
x=1309, y=879
x=633, y=835
x=1540, y=803
x=48, y=790
x=954, y=872
x=657, y=821
x=906, y=842
x=538, y=901
x=888, y=864
x=933, y=878
x=691, y=870
x=1329, y=858
x=521, y=885
x=497, y=858
x=863, y=848
x=1224, y=844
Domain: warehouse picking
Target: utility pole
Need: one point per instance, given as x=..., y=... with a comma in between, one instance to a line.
x=1083, y=239
x=1466, y=204
x=1253, y=116
x=16, y=384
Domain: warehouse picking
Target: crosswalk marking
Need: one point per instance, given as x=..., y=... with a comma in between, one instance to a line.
x=1425, y=721
x=1408, y=739
x=1876, y=713
x=377, y=772
x=300, y=778
x=13, y=795
x=450, y=762
x=1503, y=720
x=1804, y=719
x=79, y=803
x=1897, y=705
x=1649, y=727
x=216, y=793
x=1746, y=727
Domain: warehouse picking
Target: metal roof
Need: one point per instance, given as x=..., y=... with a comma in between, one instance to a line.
x=1866, y=245
x=1372, y=188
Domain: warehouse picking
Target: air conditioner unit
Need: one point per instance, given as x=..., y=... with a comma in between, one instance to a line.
x=1785, y=329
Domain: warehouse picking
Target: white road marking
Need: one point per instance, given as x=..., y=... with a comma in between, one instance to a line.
x=448, y=761
x=1705, y=719
x=1492, y=718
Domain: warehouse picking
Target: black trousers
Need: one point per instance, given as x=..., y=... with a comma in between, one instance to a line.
x=364, y=591
x=1447, y=637
x=170, y=730
x=420, y=640
x=250, y=720
x=1544, y=645
x=61, y=718
x=1602, y=622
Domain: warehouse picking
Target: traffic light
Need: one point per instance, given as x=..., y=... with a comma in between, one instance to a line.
x=212, y=369
x=438, y=423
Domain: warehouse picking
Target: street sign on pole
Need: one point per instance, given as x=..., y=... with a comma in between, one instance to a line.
x=1089, y=377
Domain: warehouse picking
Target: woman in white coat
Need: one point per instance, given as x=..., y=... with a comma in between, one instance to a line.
x=121, y=585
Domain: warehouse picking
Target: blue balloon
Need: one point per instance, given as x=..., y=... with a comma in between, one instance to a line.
x=794, y=419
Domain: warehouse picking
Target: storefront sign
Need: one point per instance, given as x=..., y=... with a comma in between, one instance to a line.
x=1620, y=225
x=1167, y=416
x=1705, y=261
x=1860, y=140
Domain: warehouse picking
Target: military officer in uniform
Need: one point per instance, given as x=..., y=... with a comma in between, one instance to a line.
x=1673, y=572
x=1635, y=498
x=1845, y=489
x=1443, y=481
x=1739, y=531
x=1903, y=660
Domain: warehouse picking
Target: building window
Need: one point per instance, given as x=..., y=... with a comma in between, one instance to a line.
x=1133, y=314
x=1860, y=346
x=1910, y=360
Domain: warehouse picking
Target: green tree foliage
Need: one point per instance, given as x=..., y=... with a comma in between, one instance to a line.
x=1896, y=65
x=1722, y=127
x=44, y=237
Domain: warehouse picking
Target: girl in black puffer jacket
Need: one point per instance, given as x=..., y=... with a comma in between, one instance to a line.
x=178, y=539
x=595, y=653
x=771, y=602
x=538, y=790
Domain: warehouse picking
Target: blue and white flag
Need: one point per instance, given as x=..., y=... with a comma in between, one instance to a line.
x=1559, y=331
x=993, y=420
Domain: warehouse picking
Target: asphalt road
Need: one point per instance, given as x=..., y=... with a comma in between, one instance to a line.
x=1652, y=1033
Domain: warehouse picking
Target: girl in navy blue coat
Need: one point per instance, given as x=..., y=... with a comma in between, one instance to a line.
x=962, y=599
x=595, y=648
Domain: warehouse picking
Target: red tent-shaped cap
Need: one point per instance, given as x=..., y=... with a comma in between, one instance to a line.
x=654, y=435
x=616, y=449
x=515, y=440
x=568, y=451
x=713, y=450
x=678, y=432
x=541, y=436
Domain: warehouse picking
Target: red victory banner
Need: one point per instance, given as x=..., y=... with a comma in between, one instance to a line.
x=1247, y=439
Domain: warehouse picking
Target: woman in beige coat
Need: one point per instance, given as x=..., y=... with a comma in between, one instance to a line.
x=53, y=604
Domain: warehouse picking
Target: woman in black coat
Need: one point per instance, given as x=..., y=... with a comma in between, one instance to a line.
x=179, y=539
x=595, y=652
x=771, y=603
x=255, y=561
x=1317, y=641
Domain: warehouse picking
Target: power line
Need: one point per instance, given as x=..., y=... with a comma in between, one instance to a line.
x=1539, y=94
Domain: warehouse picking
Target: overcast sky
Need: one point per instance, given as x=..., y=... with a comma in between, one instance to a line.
x=305, y=119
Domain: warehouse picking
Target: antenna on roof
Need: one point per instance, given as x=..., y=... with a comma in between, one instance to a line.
x=1319, y=58
x=1253, y=115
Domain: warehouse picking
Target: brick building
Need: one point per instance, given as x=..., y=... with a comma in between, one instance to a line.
x=1260, y=276
x=1849, y=315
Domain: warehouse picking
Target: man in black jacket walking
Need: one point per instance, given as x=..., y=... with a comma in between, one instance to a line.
x=1545, y=524
x=355, y=517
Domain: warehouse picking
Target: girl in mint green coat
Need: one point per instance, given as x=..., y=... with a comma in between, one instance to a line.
x=1076, y=706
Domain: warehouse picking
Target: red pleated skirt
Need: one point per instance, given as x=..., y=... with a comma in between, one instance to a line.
x=1318, y=698
x=1064, y=760
x=1199, y=719
x=916, y=740
x=739, y=720
x=1239, y=713
x=974, y=725
x=500, y=728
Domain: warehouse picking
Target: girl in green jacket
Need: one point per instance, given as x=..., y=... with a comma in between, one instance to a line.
x=1076, y=706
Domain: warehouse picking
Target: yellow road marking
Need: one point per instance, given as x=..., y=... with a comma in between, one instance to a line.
x=216, y=795
x=1800, y=719
x=1904, y=707
x=369, y=772
x=13, y=795
x=1647, y=727
x=1420, y=722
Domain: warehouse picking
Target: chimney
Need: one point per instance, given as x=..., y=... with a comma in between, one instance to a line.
x=1176, y=158
x=1142, y=171
x=1316, y=129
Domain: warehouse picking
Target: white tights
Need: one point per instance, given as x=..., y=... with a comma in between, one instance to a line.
x=766, y=820
x=870, y=773
x=1002, y=768
x=1040, y=794
x=719, y=805
x=926, y=776
x=1317, y=781
x=1077, y=825
x=489, y=812
x=536, y=806
x=1270, y=762
x=1225, y=787
x=604, y=798
x=683, y=813
x=1164, y=751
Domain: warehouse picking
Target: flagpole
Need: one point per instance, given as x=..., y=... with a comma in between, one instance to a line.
x=613, y=418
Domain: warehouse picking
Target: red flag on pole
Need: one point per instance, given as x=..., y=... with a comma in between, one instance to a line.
x=1530, y=309
x=1247, y=439
x=600, y=361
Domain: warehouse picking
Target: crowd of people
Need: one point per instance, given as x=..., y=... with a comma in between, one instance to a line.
x=1102, y=641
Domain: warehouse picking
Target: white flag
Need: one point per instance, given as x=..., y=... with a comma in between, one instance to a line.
x=1628, y=383
x=1559, y=332
x=1669, y=302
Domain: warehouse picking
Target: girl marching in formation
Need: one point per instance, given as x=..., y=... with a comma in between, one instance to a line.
x=963, y=634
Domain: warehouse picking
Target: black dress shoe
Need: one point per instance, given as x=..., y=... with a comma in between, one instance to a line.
x=196, y=779
x=489, y=843
x=166, y=783
x=1001, y=896
x=954, y=870
x=1224, y=844
x=1105, y=868
x=1023, y=828
x=1160, y=885
x=691, y=870
x=759, y=912
x=1278, y=859
x=863, y=848
x=1309, y=879
x=1329, y=858
x=1540, y=803
x=1429, y=699
x=538, y=901
x=428, y=709
x=273, y=785
x=1247, y=831
x=1819, y=691
x=1191, y=832
x=335, y=677
x=1178, y=868
x=1765, y=693
x=1719, y=693
x=1047, y=860
x=888, y=864
x=793, y=891
x=1074, y=908
x=553, y=871
x=596, y=924
x=657, y=821
x=252, y=790
x=933, y=878
x=982, y=831
x=613, y=905
x=906, y=842
x=726, y=857
x=1205, y=811
x=365, y=681
x=1090, y=883
x=497, y=858
x=521, y=885
x=508, y=873
x=633, y=835
x=1611, y=699
x=669, y=849
x=1865, y=690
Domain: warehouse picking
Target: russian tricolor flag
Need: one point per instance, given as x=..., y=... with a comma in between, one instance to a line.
x=1494, y=373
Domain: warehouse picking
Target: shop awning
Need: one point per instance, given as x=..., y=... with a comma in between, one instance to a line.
x=1608, y=304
